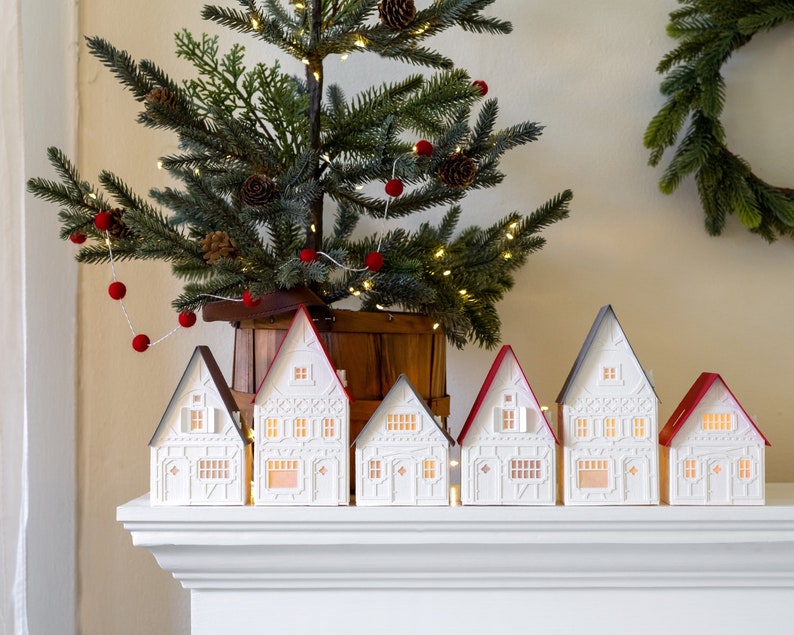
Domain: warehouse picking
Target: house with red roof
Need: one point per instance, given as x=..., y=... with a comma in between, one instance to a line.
x=201, y=450
x=712, y=451
x=301, y=424
x=508, y=449
x=402, y=453
x=608, y=422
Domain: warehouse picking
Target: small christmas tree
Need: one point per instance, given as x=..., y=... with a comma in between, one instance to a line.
x=266, y=157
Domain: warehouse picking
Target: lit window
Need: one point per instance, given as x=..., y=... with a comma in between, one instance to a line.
x=300, y=428
x=638, y=427
x=582, y=428
x=329, y=428
x=745, y=468
x=690, y=468
x=429, y=469
x=609, y=373
x=525, y=469
x=300, y=373
x=593, y=473
x=214, y=469
x=282, y=474
x=508, y=419
x=717, y=421
x=375, y=469
x=197, y=421
x=401, y=422
x=610, y=428
x=271, y=428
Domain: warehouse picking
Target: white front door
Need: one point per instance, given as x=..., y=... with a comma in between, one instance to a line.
x=176, y=481
x=719, y=475
x=487, y=480
x=326, y=482
x=635, y=480
x=403, y=482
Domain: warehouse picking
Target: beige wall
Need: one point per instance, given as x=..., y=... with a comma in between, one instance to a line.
x=688, y=302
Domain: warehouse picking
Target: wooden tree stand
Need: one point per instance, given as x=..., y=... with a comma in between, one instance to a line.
x=372, y=348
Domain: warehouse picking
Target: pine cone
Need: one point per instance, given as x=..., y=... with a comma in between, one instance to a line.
x=160, y=95
x=457, y=170
x=216, y=245
x=258, y=189
x=118, y=228
x=396, y=14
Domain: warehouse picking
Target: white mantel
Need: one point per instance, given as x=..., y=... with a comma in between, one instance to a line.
x=487, y=570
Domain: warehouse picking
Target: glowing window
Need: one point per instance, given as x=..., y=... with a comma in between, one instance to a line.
x=374, y=469
x=197, y=422
x=717, y=421
x=745, y=468
x=690, y=468
x=329, y=428
x=401, y=422
x=271, y=428
x=282, y=474
x=508, y=419
x=582, y=428
x=593, y=473
x=301, y=426
x=525, y=469
x=638, y=427
x=300, y=373
x=610, y=428
x=429, y=469
x=214, y=469
x=609, y=373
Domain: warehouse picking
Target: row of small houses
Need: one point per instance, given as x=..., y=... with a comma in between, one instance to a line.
x=607, y=451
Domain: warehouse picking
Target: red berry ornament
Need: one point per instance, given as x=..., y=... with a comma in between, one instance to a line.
x=308, y=255
x=394, y=187
x=249, y=300
x=117, y=290
x=187, y=319
x=78, y=238
x=373, y=261
x=481, y=85
x=103, y=221
x=423, y=148
x=140, y=342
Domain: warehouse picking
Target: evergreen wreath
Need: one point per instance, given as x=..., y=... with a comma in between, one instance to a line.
x=710, y=31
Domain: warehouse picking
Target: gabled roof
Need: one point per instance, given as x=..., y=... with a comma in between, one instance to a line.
x=604, y=313
x=402, y=382
x=203, y=353
x=505, y=354
x=302, y=318
x=689, y=403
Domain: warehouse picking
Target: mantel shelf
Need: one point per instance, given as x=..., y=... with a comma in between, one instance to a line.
x=220, y=553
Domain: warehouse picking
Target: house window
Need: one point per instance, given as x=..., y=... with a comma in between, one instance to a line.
x=374, y=469
x=282, y=474
x=609, y=373
x=593, y=473
x=582, y=428
x=329, y=428
x=271, y=428
x=401, y=422
x=429, y=469
x=745, y=468
x=509, y=400
x=638, y=427
x=301, y=426
x=525, y=469
x=690, y=468
x=717, y=421
x=214, y=470
x=508, y=420
x=300, y=373
x=197, y=421
x=610, y=428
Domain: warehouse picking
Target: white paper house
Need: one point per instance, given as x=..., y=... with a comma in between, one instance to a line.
x=712, y=452
x=507, y=448
x=301, y=424
x=201, y=449
x=608, y=423
x=402, y=453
